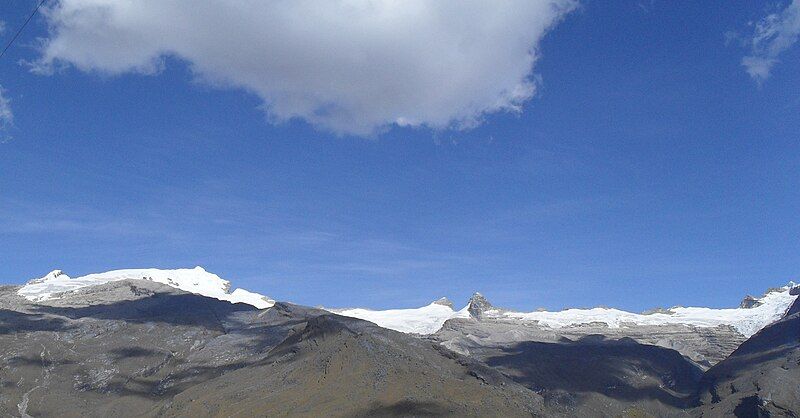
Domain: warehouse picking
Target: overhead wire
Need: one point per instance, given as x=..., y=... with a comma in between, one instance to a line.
x=21, y=28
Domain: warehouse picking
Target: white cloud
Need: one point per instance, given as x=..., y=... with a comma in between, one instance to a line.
x=773, y=35
x=6, y=115
x=349, y=66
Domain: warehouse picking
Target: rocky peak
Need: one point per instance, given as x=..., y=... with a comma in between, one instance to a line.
x=478, y=304
x=444, y=302
x=749, y=302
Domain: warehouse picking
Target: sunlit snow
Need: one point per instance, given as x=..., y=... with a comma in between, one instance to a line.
x=195, y=280
x=424, y=320
x=429, y=319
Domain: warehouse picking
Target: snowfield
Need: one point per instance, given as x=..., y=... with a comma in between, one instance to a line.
x=195, y=280
x=424, y=320
x=747, y=321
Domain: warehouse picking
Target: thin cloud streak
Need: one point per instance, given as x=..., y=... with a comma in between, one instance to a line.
x=6, y=114
x=25, y=218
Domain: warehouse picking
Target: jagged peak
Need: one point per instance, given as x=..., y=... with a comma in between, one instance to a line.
x=443, y=301
x=478, y=304
x=476, y=295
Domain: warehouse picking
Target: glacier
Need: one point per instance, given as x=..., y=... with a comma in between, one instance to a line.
x=747, y=321
x=197, y=280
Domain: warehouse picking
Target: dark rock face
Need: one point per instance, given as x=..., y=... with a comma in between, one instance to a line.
x=795, y=308
x=760, y=378
x=608, y=377
x=613, y=376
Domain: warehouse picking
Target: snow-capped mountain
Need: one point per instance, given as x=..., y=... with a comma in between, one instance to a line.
x=429, y=319
x=746, y=319
x=56, y=284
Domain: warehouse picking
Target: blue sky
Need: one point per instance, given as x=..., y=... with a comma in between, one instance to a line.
x=648, y=168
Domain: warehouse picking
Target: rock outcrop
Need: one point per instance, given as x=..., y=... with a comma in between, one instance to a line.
x=749, y=302
x=444, y=302
x=478, y=305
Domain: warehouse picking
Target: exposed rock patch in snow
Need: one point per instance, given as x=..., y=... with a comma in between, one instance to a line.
x=55, y=284
x=444, y=302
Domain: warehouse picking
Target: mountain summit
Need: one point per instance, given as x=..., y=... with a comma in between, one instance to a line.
x=444, y=302
x=478, y=305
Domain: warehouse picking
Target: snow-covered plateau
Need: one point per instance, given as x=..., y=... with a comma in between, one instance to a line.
x=56, y=284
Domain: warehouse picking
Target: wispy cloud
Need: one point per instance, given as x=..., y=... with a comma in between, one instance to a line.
x=228, y=229
x=772, y=35
x=18, y=217
x=6, y=114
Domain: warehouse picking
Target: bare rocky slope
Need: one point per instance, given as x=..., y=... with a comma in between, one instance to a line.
x=704, y=346
x=761, y=378
x=143, y=348
x=139, y=348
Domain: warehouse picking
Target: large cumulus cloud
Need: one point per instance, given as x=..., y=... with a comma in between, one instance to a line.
x=349, y=66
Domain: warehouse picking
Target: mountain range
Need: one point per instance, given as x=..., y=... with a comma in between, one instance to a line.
x=182, y=343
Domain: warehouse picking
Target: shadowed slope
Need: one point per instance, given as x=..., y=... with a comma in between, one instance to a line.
x=609, y=377
x=760, y=378
x=136, y=347
x=343, y=367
